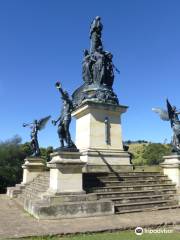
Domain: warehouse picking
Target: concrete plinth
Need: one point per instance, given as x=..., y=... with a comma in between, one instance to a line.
x=99, y=134
x=32, y=167
x=65, y=173
x=171, y=168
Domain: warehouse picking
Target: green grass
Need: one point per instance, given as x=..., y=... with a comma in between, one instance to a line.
x=123, y=235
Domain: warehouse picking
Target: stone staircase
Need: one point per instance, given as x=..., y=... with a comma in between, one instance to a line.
x=129, y=191
x=133, y=191
x=34, y=189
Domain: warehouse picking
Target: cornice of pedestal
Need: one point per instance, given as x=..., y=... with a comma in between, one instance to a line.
x=171, y=161
x=89, y=106
x=33, y=162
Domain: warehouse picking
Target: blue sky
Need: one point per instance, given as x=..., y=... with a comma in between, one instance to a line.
x=42, y=41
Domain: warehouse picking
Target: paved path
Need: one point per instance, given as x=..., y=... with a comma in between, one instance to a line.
x=15, y=222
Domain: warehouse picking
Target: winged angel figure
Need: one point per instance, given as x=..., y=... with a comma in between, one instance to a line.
x=36, y=126
x=171, y=114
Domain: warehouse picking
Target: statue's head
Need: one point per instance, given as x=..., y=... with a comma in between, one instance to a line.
x=85, y=51
x=58, y=84
x=174, y=108
x=35, y=121
x=109, y=55
x=100, y=49
x=97, y=18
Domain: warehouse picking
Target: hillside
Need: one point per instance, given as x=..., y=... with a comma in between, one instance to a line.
x=148, y=153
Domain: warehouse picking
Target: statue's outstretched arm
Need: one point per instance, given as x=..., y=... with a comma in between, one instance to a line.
x=27, y=125
x=59, y=87
x=54, y=122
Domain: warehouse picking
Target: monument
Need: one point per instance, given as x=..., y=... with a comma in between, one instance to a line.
x=34, y=164
x=98, y=146
x=171, y=164
x=86, y=178
x=97, y=109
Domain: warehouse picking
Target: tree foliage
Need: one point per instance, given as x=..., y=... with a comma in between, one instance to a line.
x=154, y=152
x=12, y=155
x=149, y=153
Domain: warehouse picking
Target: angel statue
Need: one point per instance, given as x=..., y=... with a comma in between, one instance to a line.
x=36, y=126
x=171, y=114
x=64, y=119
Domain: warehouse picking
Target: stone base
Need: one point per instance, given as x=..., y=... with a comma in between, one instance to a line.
x=107, y=169
x=65, y=172
x=32, y=167
x=13, y=192
x=99, y=134
x=57, y=210
x=171, y=168
x=91, y=130
x=106, y=160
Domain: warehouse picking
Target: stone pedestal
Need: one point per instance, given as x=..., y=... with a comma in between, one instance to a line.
x=171, y=167
x=99, y=135
x=32, y=167
x=65, y=173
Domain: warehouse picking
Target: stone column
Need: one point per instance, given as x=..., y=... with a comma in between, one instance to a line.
x=65, y=173
x=32, y=167
x=171, y=167
x=99, y=136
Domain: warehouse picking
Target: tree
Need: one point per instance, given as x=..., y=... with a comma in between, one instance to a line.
x=154, y=152
x=45, y=153
x=12, y=155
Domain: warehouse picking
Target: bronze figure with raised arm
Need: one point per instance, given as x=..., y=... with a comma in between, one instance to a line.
x=64, y=119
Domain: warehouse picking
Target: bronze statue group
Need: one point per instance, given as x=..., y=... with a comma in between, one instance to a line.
x=98, y=75
x=63, y=125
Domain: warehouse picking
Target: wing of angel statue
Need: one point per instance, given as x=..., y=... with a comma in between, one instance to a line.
x=43, y=121
x=163, y=114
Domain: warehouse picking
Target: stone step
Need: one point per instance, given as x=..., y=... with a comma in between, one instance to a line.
x=132, y=187
x=34, y=191
x=141, y=205
x=44, y=174
x=138, y=182
x=148, y=209
x=95, y=184
x=134, y=193
x=42, y=177
x=41, y=181
x=133, y=173
x=127, y=178
x=30, y=195
x=39, y=185
x=19, y=200
x=144, y=198
x=46, y=177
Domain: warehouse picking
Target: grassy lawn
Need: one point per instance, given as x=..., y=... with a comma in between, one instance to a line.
x=123, y=235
